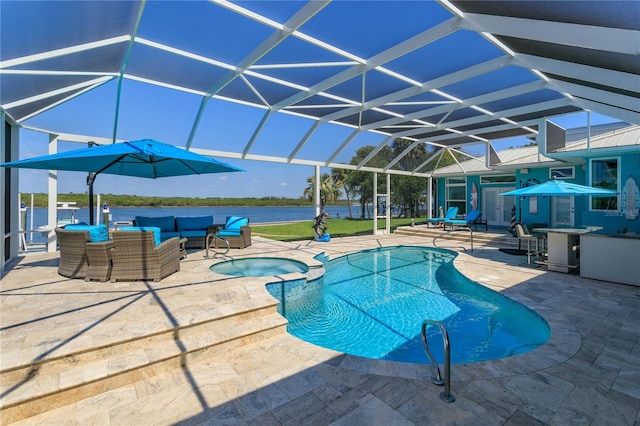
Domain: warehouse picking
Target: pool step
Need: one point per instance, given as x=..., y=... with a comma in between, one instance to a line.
x=498, y=238
x=35, y=387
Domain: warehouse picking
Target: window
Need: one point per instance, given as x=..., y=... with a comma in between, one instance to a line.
x=561, y=173
x=456, y=194
x=605, y=174
x=498, y=179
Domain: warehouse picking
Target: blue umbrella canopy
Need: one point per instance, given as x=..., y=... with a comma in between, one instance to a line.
x=146, y=158
x=559, y=188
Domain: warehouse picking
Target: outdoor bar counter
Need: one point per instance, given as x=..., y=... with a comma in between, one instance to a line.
x=609, y=257
x=563, y=247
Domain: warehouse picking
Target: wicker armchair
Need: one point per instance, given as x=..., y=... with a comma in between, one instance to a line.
x=81, y=258
x=237, y=236
x=73, y=254
x=241, y=241
x=135, y=256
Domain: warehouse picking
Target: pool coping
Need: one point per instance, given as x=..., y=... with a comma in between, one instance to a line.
x=564, y=342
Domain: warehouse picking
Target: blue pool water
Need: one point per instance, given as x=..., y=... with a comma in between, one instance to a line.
x=259, y=267
x=372, y=304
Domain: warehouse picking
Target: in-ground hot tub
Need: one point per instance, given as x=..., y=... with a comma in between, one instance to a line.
x=259, y=267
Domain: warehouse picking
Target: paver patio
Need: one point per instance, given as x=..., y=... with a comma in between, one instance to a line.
x=588, y=373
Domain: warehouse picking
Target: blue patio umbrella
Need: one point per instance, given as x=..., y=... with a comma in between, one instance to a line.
x=560, y=188
x=146, y=158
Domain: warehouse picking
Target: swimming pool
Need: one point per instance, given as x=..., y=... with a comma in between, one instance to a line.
x=372, y=304
x=259, y=267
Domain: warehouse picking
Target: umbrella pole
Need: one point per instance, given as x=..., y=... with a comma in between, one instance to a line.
x=90, y=178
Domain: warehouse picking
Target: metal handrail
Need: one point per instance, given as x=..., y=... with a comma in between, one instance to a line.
x=461, y=228
x=211, y=237
x=446, y=396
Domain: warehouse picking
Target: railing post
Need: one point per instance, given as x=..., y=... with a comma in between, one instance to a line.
x=437, y=379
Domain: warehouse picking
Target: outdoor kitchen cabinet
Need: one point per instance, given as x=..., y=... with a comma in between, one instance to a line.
x=613, y=258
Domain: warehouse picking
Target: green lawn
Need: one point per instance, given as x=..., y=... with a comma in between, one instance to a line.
x=336, y=228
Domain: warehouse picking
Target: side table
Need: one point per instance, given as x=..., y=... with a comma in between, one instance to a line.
x=99, y=259
x=183, y=248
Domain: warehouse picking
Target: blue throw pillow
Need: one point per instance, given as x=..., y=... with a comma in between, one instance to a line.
x=97, y=233
x=156, y=231
x=234, y=223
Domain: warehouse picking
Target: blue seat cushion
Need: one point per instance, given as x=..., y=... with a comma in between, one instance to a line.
x=227, y=233
x=194, y=233
x=197, y=223
x=165, y=223
x=166, y=235
x=97, y=233
x=234, y=223
x=155, y=229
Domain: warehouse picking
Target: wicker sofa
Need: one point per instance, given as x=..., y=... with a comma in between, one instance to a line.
x=194, y=229
x=139, y=255
x=81, y=256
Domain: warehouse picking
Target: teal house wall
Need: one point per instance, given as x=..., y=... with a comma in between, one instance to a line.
x=612, y=221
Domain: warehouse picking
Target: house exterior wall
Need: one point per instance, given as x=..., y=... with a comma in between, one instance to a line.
x=612, y=221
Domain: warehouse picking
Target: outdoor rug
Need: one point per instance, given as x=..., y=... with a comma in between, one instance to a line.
x=515, y=252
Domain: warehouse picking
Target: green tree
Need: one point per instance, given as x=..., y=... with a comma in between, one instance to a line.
x=329, y=191
x=340, y=182
x=408, y=191
x=361, y=182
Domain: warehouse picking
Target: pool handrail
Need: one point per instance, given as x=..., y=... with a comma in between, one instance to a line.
x=209, y=239
x=446, y=396
x=460, y=228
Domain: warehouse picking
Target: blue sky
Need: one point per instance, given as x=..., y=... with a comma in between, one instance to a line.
x=148, y=111
x=260, y=180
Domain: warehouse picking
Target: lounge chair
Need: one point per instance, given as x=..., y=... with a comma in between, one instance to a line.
x=451, y=214
x=138, y=255
x=472, y=218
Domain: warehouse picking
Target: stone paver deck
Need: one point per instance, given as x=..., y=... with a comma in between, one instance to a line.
x=588, y=373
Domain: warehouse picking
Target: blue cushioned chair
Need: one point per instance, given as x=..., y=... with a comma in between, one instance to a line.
x=435, y=221
x=236, y=231
x=472, y=218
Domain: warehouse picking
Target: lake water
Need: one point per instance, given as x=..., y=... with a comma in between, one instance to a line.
x=255, y=214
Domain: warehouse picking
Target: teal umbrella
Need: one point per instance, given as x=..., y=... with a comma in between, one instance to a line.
x=145, y=158
x=560, y=188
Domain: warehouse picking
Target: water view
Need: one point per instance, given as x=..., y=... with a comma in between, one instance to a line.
x=255, y=214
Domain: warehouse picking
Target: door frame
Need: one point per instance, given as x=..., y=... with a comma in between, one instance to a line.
x=554, y=211
x=500, y=203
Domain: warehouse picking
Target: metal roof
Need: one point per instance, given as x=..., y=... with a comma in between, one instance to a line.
x=627, y=137
x=446, y=74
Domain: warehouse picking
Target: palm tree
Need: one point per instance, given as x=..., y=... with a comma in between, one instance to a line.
x=340, y=182
x=328, y=190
